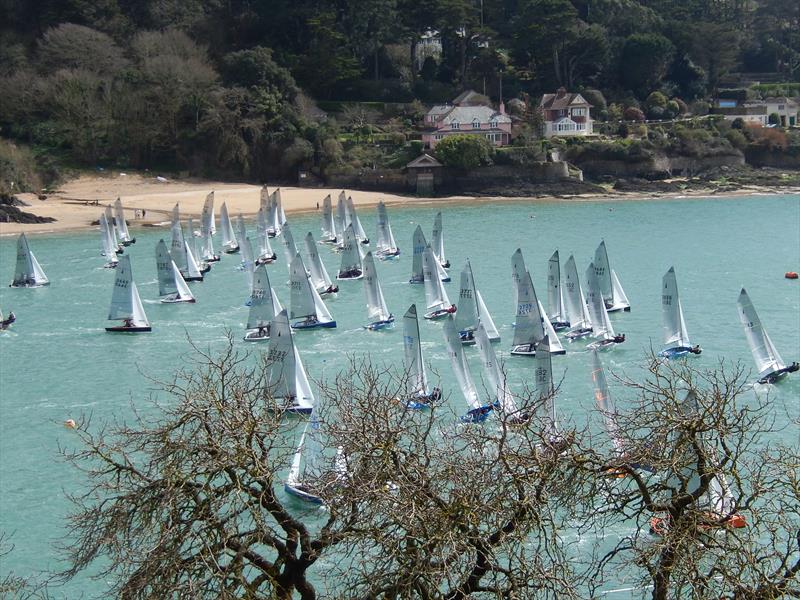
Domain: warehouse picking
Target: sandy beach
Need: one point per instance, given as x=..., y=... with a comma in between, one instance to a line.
x=79, y=202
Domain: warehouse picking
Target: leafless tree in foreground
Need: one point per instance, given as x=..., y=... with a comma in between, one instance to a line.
x=723, y=496
x=188, y=502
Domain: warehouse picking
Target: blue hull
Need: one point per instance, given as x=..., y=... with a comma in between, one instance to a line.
x=297, y=410
x=300, y=494
x=380, y=324
x=477, y=415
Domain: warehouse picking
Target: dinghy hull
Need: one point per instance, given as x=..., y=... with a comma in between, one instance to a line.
x=381, y=324
x=601, y=345
x=559, y=325
x=313, y=325
x=350, y=277
x=776, y=376
x=579, y=334
x=123, y=329
x=422, y=402
x=524, y=350
x=467, y=338
x=388, y=254
x=478, y=415
x=256, y=336
x=230, y=249
x=440, y=313
x=176, y=300
x=301, y=495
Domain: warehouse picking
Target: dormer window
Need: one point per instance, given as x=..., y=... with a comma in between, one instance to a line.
x=476, y=124
x=455, y=125
x=493, y=124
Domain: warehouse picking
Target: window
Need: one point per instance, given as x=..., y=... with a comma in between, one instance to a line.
x=493, y=124
x=455, y=125
x=781, y=107
x=476, y=124
x=578, y=112
x=438, y=136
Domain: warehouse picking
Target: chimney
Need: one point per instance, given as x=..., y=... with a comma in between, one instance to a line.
x=502, y=108
x=562, y=91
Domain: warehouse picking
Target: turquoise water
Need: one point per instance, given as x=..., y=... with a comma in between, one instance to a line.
x=57, y=362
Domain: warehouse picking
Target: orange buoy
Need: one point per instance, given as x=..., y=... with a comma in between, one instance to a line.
x=70, y=424
x=791, y=275
x=736, y=521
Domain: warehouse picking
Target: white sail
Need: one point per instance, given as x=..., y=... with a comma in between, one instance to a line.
x=518, y=270
x=385, y=244
x=265, y=251
x=241, y=232
x=125, y=301
x=604, y=402
x=229, y=243
x=248, y=262
x=494, y=372
x=543, y=386
x=319, y=275
x=281, y=381
x=467, y=313
x=261, y=302
x=486, y=319
x=412, y=351
x=184, y=293
x=358, y=229
x=27, y=272
x=351, y=267
x=674, y=327
x=289, y=247
x=208, y=222
x=459, y=363
x=192, y=268
x=301, y=300
x=340, y=219
x=603, y=272
x=601, y=324
x=620, y=298
x=166, y=281
x=323, y=314
x=112, y=228
x=555, y=295
x=190, y=240
x=435, y=294
x=177, y=249
x=122, y=225
x=577, y=313
x=281, y=213
x=328, y=227
x=550, y=333
x=109, y=249
x=437, y=241
x=419, y=244
x=376, y=304
x=764, y=352
x=529, y=329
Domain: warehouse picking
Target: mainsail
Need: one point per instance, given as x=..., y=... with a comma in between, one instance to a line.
x=328, y=226
x=386, y=245
x=27, y=272
x=419, y=245
x=122, y=225
x=467, y=313
x=377, y=310
x=577, y=313
x=601, y=324
x=437, y=241
x=555, y=295
x=674, y=327
x=125, y=302
x=435, y=294
x=319, y=274
x=459, y=363
x=229, y=243
x=764, y=352
x=529, y=330
x=351, y=267
x=412, y=349
x=499, y=385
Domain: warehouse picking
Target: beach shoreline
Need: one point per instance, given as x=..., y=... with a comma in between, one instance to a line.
x=79, y=202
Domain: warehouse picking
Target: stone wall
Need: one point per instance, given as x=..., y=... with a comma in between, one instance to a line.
x=778, y=159
x=381, y=180
x=657, y=167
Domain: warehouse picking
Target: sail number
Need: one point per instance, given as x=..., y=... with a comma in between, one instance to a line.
x=523, y=308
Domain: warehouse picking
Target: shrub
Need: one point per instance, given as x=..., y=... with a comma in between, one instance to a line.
x=737, y=139
x=464, y=151
x=738, y=123
x=699, y=108
x=615, y=112
x=673, y=109
x=595, y=98
x=417, y=147
x=623, y=130
x=656, y=113
x=682, y=108
x=633, y=114
x=774, y=119
x=656, y=99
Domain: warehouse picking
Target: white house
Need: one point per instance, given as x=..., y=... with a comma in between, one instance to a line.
x=565, y=114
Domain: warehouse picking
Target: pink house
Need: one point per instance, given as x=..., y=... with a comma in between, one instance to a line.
x=466, y=115
x=565, y=114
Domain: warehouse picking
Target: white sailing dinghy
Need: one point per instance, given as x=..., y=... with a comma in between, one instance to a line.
x=602, y=330
x=208, y=219
x=555, y=294
x=676, y=338
x=122, y=226
x=769, y=363
x=171, y=285
x=126, y=306
x=112, y=228
x=207, y=230
x=437, y=241
x=471, y=310
x=286, y=375
x=418, y=245
x=420, y=393
x=351, y=267
x=248, y=262
x=328, y=226
x=309, y=464
x=264, y=306
x=241, y=234
x=554, y=343
x=229, y=243
x=580, y=323
x=289, y=247
x=318, y=273
x=202, y=264
x=179, y=250
x=386, y=246
x=27, y=272
x=377, y=311
x=274, y=226
x=529, y=328
x=281, y=213
x=340, y=220
x=305, y=301
x=478, y=411
x=109, y=249
x=503, y=398
x=266, y=254
x=352, y=218
x=613, y=294
x=439, y=305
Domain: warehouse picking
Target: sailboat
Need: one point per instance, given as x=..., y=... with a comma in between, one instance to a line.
x=529, y=328
x=307, y=465
x=241, y=234
x=274, y=225
x=122, y=226
x=676, y=338
x=340, y=220
x=352, y=219
x=109, y=249
x=208, y=220
x=229, y=243
x=418, y=245
x=126, y=306
x=386, y=246
x=171, y=284
x=437, y=242
x=112, y=229
x=580, y=323
x=613, y=294
x=289, y=247
x=179, y=250
x=439, y=304
x=305, y=301
x=554, y=343
x=318, y=273
x=478, y=411
x=279, y=202
x=518, y=270
x=328, y=226
x=545, y=391
x=503, y=398
x=265, y=254
x=602, y=330
x=605, y=404
x=420, y=393
x=286, y=375
x=6, y=322
x=191, y=248
x=264, y=305
x=377, y=311
x=769, y=363
x=555, y=294
x=351, y=267
x=27, y=272
x=472, y=310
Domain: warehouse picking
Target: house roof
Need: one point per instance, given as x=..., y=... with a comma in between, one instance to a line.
x=468, y=98
x=562, y=100
x=423, y=160
x=440, y=109
x=779, y=100
x=468, y=114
